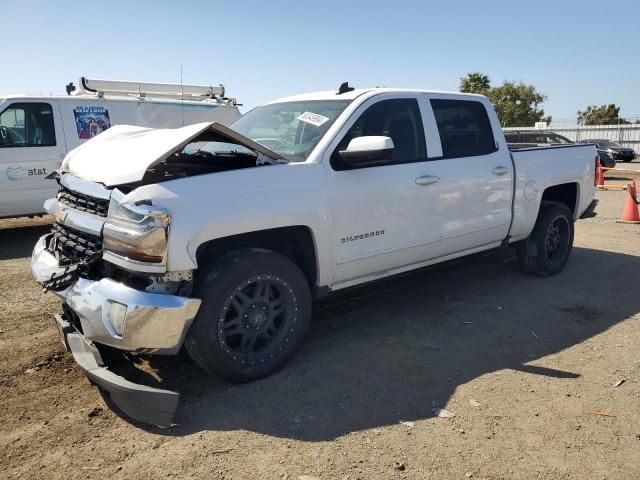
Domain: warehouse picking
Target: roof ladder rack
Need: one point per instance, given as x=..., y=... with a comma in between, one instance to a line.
x=101, y=88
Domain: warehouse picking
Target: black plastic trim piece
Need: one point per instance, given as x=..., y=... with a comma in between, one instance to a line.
x=83, y=81
x=145, y=404
x=321, y=292
x=590, y=212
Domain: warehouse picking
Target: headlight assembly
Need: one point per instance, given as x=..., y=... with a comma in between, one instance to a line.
x=135, y=235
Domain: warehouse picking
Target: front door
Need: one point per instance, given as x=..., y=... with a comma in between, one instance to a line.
x=384, y=216
x=31, y=147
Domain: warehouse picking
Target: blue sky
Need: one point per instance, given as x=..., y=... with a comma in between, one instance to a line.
x=575, y=52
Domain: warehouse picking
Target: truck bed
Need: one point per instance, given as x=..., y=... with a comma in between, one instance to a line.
x=538, y=168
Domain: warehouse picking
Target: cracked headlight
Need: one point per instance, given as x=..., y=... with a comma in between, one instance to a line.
x=135, y=235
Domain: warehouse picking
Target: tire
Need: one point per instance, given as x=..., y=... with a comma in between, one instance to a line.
x=548, y=248
x=255, y=313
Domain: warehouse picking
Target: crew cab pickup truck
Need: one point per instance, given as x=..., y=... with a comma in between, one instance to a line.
x=219, y=238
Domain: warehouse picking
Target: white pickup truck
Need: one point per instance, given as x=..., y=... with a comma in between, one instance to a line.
x=219, y=238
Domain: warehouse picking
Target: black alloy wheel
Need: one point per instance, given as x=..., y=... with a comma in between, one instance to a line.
x=255, y=312
x=257, y=318
x=548, y=248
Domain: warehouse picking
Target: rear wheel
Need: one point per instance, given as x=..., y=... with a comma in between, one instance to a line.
x=548, y=248
x=255, y=312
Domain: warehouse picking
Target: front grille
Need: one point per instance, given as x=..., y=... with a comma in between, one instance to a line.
x=72, y=246
x=82, y=202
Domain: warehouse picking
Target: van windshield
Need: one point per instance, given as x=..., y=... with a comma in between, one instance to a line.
x=291, y=129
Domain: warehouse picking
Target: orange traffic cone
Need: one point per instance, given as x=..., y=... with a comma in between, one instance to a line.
x=630, y=211
x=599, y=175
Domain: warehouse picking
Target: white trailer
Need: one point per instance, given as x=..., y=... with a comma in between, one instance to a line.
x=36, y=132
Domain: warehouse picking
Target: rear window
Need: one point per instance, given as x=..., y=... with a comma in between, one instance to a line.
x=464, y=128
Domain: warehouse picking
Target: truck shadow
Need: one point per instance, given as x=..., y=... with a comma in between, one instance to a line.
x=19, y=242
x=398, y=349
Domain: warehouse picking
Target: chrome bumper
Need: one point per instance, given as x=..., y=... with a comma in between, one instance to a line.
x=114, y=314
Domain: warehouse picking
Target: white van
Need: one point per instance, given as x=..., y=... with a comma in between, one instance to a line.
x=36, y=132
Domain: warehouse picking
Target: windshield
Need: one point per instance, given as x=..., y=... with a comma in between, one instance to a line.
x=291, y=129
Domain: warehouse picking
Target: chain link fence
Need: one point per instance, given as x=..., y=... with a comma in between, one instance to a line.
x=627, y=135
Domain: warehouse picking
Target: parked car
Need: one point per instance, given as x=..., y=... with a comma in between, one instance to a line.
x=614, y=149
x=219, y=238
x=541, y=138
x=521, y=138
x=36, y=132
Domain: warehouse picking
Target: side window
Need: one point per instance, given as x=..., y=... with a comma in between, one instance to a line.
x=27, y=125
x=399, y=119
x=537, y=138
x=464, y=128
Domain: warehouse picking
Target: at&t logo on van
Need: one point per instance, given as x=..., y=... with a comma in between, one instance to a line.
x=16, y=172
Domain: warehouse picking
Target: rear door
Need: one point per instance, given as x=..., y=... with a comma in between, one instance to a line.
x=476, y=175
x=31, y=147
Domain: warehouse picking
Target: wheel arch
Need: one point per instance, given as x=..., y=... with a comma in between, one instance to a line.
x=297, y=243
x=567, y=193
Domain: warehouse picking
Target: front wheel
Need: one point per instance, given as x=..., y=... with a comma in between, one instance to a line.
x=548, y=248
x=255, y=312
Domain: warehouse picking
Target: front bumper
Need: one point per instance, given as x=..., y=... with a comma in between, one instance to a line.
x=114, y=314
x=624, y=156
x=110, y=313
x=140, y=402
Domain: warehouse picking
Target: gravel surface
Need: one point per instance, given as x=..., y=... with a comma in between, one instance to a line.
x=464, y=370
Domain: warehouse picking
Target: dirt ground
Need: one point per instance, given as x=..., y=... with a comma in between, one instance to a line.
x=521, y=361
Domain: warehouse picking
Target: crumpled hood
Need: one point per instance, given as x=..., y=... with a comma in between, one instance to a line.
x=123, y=153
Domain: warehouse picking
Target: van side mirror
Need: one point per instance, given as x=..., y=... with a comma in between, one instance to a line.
x=367, y=152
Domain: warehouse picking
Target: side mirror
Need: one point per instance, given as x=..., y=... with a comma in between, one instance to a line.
x=367, y=152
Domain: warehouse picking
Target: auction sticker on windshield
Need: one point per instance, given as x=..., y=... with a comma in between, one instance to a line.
x=313, y=118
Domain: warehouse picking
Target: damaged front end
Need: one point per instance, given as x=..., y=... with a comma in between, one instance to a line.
x=106, y=257
x=107, y=261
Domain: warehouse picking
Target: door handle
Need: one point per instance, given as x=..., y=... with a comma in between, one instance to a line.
x=427, y=180
x=500, y=170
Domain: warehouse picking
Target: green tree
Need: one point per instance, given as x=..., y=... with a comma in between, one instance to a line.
x=602, y=115
x=475, y=82
x=517, y=104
